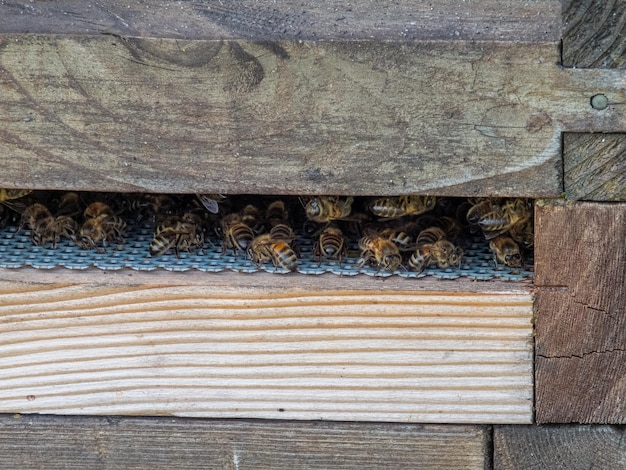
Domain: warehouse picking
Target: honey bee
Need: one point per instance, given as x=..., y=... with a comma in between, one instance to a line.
x=449, y=225
x=331, y=244
x=434, y=248
x=251, y=216
x=323, y=209
x=279, y=252
x=497, y=219
x=52, y=229
x=523, y=234
x=276, y=213
x=97, y=209
x=394, y=207
x=161, y=206
x=45, y=228
x=102, y=228
x=165, y=237
x=69, y=205
x=380, y=251
x=478, y=210
x=506, y=251
x=191, y=233
x=181, y=233
x=236, y=234
x=34, y=214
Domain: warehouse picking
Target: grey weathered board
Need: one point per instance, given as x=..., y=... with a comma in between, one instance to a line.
x=448, y=118
x=140, y=443
x=595, y=166
x=566, y=447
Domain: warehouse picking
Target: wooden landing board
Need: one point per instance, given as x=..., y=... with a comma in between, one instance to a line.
x=166, y=443
x=454, y=118
x=265, y=352
x=573, y=447
x=580, y=273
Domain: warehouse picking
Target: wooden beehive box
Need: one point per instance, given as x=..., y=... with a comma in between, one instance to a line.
x=449, y=99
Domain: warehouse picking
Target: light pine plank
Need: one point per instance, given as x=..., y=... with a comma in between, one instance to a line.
x=192, y=350
x=501, y=20
x=167, y=443
x=457, y=118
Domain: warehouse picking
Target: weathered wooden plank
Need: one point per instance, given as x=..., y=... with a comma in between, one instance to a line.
x=594, y=33
x=580, y=273
x=499, y=20
x=79, y=442
x=189, y=350
x=571, y=447
x=595, y=166
x=446, y=118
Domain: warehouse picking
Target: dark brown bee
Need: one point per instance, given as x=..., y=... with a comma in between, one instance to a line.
x=331, y=244
x=251, y=216
x=97, y=209
x=69, y=205
x=506, y=251
x=236, y=234
x=323, y=209
x=523, y=234
x=400, y=206
x=33, y=214
x=276, y=213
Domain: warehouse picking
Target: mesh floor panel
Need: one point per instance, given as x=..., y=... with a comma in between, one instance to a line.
x=17, y=251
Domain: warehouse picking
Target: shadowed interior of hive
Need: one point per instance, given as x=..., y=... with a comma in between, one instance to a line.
x=411, y=236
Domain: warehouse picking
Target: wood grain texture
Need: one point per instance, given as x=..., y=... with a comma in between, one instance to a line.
x=594, y=33
x=566, y=447
x=166, y=443
x=265, y=353
x=595, y=167
x=510, y=20
x=364, y=118
x=580, y=273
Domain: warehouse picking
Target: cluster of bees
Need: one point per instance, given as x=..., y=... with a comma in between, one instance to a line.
x=404, y=232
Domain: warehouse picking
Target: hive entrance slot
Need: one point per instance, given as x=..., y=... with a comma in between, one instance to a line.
x=27, y=242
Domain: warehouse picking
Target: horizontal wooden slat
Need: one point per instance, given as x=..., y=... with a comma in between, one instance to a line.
x=193, y=350
x=513, y=20
x=166, y=443
x=449, y=118
x=580, y=312
x=595, y=166
x=570, y=447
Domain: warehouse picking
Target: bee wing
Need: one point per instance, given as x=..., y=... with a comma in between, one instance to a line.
x=209, y=203
x=491, y=234
x=17, y=206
